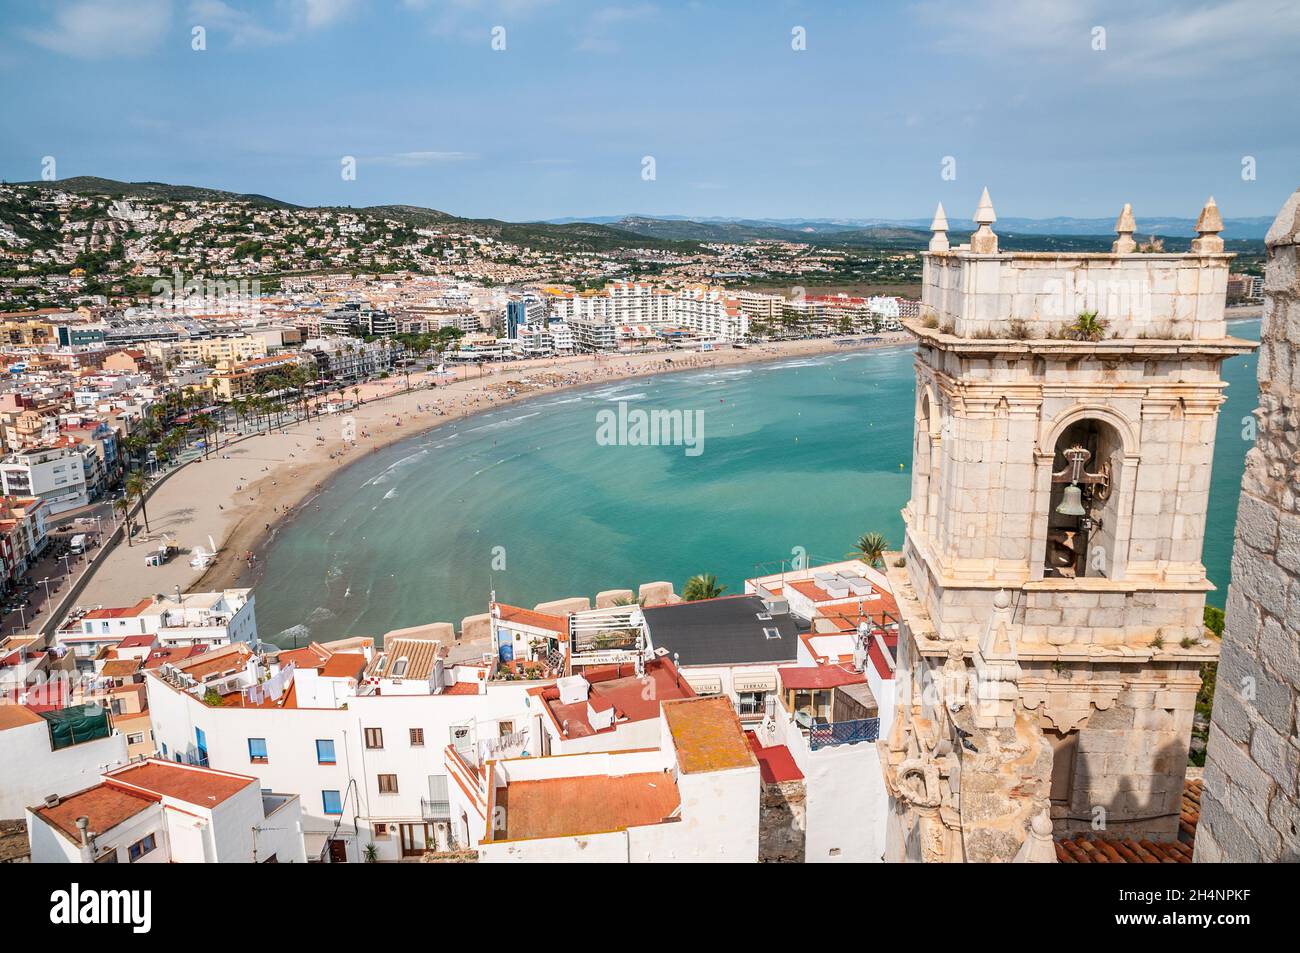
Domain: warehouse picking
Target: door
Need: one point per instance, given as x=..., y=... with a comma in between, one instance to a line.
x=415, y=837
x=338, y=852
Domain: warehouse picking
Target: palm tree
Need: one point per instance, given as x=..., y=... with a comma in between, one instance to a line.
x=1087, y=327
x=137, y=485
x=123, y=506
x=207, y=424
x=702, y=586
x=871, y=548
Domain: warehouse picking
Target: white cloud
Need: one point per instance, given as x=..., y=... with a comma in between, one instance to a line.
x=242, y=28
x=598, y=36
x=323, y=13
x=408, y=159
x=98, y=29
x=1142, y=41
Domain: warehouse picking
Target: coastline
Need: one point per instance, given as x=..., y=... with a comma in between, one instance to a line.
x=245, y=493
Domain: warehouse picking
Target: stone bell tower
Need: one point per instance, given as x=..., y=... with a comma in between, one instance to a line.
x=1050, y=585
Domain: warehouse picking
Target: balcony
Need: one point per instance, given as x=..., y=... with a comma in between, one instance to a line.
x=843, y=733
x=435, y=810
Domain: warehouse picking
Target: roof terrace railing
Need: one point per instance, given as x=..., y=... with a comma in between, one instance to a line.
x=843, y=733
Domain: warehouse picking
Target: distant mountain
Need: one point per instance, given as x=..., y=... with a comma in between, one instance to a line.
x=577, y=235
x=159, y=191
x=1234, y=228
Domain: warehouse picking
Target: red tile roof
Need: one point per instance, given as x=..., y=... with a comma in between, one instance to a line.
x=202, y=787
x=621, y=688
x=1090, y=849
x=344, y=665
x=775, y=763
x=120, y=612
x=105, y=805
x=538, y=620
x=805, y=677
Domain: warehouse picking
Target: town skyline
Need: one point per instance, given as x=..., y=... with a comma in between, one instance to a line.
x=814, y=113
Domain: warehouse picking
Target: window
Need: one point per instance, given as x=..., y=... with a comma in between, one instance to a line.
x=374, y=737
x=135, y=739
x=752, y=704
x=381, y=830
x=325, y=752
x=201, y=748
x=257, y=750
x=331, y=801
x=505, y=728
x=772, y=633
x=388, y=784
x=141, y=847
x=417, y=737
x=399, y=668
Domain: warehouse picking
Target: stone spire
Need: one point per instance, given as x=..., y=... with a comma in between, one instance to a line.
x=984, y=241
x=1208, y=227
x=1038, y=848
x=1124, y=228
x=939, y=240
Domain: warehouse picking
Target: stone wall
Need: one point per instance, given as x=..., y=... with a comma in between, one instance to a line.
x=782, y=822
x=1250, y=810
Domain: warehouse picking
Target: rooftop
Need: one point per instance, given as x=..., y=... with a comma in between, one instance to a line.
x=621, y=688
x=105, y=805
x=726, y=631
x=1089, y=849
x=593, y=804
x=202, y=787
x=707, y=734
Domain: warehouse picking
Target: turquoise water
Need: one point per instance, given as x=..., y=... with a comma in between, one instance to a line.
x=799, y=453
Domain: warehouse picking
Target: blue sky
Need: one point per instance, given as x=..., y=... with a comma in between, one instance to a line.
x=856, y=125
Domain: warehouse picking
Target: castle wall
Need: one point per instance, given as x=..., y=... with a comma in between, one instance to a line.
x=1250, y=810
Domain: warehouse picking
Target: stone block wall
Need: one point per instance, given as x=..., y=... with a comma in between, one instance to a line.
x=782, y=822
x=1250, y=808
x=1148, y=295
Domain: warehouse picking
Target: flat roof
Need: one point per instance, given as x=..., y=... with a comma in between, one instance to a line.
x=105, y=805
x=202, y=787
x=707, y=734
x=725, y=631
x=620, y=688
x=592, y=804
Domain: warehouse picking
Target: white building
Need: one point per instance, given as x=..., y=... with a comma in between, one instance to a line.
x=693, y=797
x=56, y=475
x=158, y=812
x=213, y=619
x=370, y=770
x=42, y=755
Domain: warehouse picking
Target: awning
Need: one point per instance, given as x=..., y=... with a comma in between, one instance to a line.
x=705, y=686
x=757, y=682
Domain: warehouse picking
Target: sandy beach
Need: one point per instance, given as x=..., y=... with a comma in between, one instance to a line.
x=244, y=492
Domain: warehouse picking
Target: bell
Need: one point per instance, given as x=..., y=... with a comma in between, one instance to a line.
x=1072, y=502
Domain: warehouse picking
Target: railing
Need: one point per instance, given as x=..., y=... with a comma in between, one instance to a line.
x=843, y=733
x=435, y=810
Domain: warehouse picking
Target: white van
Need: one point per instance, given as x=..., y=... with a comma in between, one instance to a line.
x=78, y=544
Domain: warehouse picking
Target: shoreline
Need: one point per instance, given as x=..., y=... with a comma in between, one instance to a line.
x=215, y=498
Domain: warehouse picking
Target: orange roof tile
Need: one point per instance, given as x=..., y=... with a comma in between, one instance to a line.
x=1088, y=849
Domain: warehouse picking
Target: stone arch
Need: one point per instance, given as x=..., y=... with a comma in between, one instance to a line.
x=925, y=457
x=1128, y=433
x=1083, y=519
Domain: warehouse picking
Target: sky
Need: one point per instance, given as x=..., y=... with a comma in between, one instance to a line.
x=536, y=109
